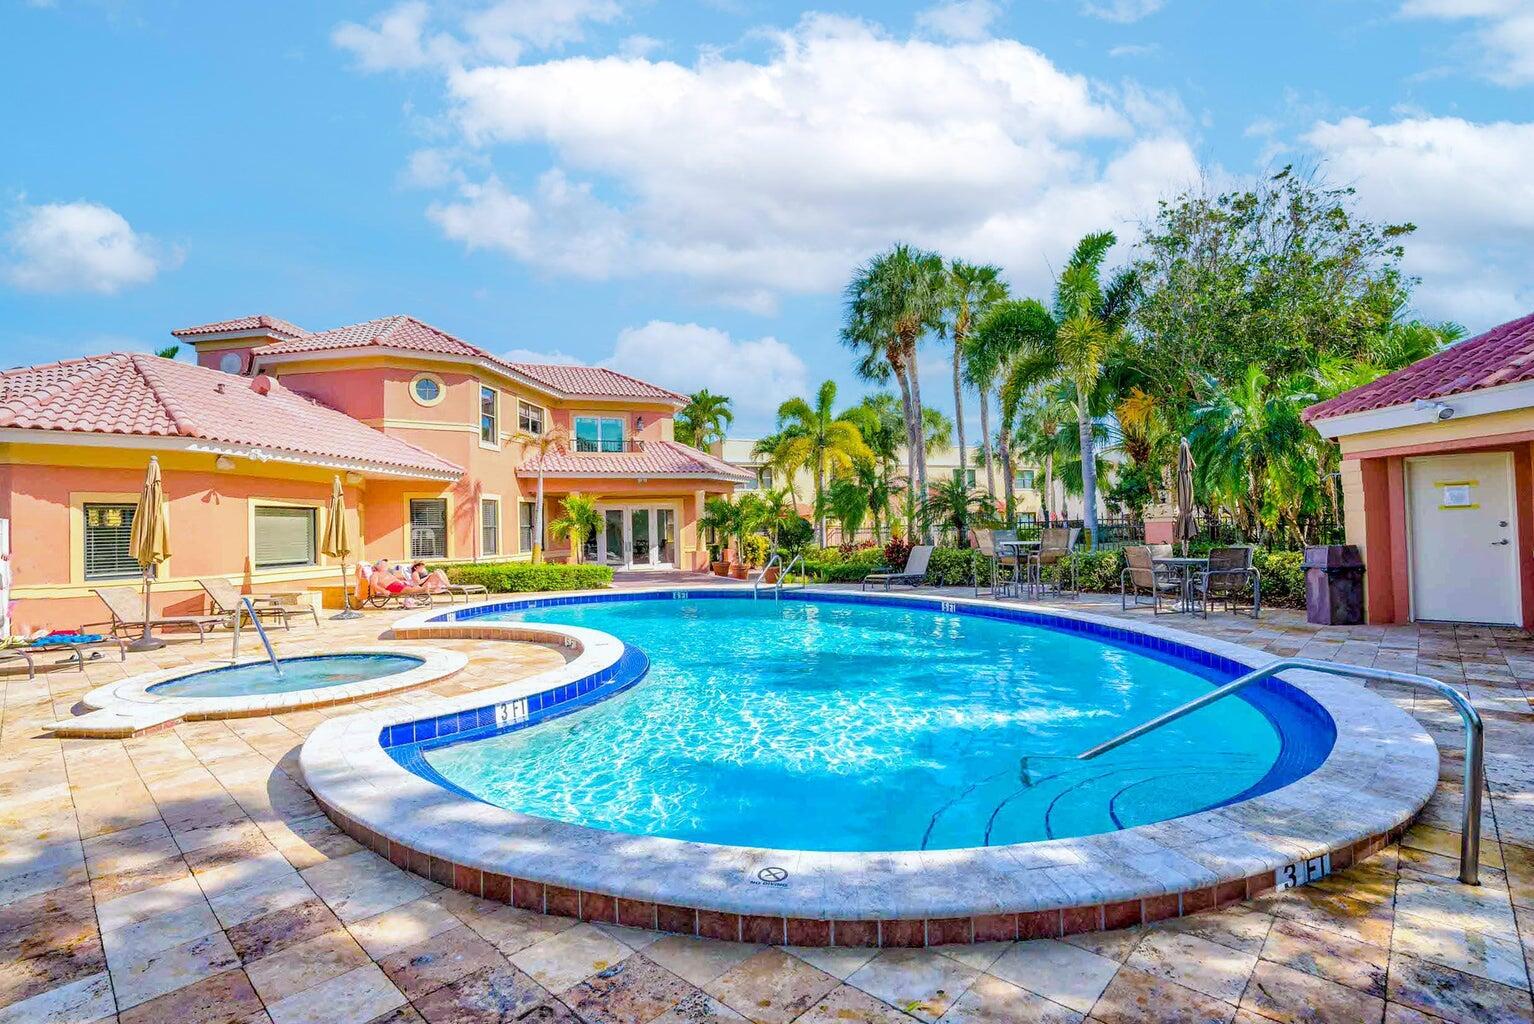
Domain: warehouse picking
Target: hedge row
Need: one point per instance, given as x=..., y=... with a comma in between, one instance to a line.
x=1283, y=573
x=511, y=577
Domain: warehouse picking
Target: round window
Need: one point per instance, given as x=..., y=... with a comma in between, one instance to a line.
x=427, y=390
x=231, y=362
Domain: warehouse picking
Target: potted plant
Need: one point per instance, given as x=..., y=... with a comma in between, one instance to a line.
x=719, y=515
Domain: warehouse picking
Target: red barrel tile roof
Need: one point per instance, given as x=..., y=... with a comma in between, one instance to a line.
x=659, y=458
x=242, y=323
x=593, y=381
x=132, y=393
x=1503, y=355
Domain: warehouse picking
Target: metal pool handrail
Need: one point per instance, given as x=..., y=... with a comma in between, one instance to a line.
x=255, y=620
x=756, y=585
x=1475, y=774
x=783, y=576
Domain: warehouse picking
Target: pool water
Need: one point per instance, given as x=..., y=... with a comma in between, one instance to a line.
x=838, y=726
x=308, y=673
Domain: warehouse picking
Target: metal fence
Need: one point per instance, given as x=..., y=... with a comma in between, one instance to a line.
x=1112, y=531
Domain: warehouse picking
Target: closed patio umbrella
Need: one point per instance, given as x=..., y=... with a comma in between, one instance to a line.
x=337, y=543
x=149, y=544
x=1186, y=529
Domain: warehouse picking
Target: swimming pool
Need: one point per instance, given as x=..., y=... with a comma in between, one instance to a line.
x=312, y=672
x=878, y=726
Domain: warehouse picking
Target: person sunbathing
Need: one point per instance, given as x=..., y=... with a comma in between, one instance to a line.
x=384, y=580
x=433, y=581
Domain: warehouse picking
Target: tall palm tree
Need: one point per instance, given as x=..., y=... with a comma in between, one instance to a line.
x=705, y=418
x=777, y=508
x=550, y=442
x=972, y=289
x=581, y=520
x=936, y=432
x=770, y=451
x=982, y=367
x=847, y=503
x=814, y=436
x=893, y=301
x=1072, y=342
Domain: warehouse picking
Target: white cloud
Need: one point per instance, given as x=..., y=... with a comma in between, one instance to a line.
x=753, y=178
x=529, y=355
x=757, y=373
x=80, y=247
x=403, y=38
x=396, y=40
x=1501, y=46
x=639, y=46
x=959, y=19
x=1466, y=186
x=1121, y=11
x=1133, y=50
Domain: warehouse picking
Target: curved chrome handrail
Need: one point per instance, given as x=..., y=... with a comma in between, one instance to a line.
x=783, y=576
x=756, y=585
x=1475, y=772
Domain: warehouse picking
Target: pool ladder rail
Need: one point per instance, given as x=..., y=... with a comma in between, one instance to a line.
x=777, y=585
x=1475, y=771
x=255, y=620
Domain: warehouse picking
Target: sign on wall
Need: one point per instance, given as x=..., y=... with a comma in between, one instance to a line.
x=1457, y=494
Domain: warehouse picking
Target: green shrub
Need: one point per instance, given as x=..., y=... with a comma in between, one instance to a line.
x=512, y=577
x=756, y=550
x=952, y=567
x=1095, y=570
x=1283, y=577
x=833, y=565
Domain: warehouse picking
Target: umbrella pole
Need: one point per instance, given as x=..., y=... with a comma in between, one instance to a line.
x=147, y=641
x=346, y=611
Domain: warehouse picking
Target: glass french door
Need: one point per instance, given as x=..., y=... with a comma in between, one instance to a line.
x=636, y=537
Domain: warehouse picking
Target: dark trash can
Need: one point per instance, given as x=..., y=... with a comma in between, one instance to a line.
x=1334, y=585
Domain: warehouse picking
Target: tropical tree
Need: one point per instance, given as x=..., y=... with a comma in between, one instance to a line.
x=891, y=303
x=813, y=436
x=1248, y=439
x=1036, y=421
x=729, y=519
x=550, y=442
x=579, y=521
x=951, y=507
x=847, y=503
x=778, y=509
x=878, y=491
x=168, y=352
x=936, y=432
x=704, y=420
x=971, y=290
x=770, y=451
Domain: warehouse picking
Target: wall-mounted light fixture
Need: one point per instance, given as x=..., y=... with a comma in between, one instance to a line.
x=1437, y=412
x=224, y=463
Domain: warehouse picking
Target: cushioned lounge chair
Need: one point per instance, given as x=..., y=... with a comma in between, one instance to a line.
x=228, y=601
x=912, y=575
x=127, y=607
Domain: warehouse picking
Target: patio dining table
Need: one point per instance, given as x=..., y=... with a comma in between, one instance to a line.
x=1186, y=567
x=1019, y=549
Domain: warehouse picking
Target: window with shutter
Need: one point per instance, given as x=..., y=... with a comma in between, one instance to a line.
x=428, y=527
x=108, y=554
x=284, y=536
x=490, y=526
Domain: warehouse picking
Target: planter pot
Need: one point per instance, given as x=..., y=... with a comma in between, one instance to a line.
x=721, y=568
x=771, y=575
x=738, y=571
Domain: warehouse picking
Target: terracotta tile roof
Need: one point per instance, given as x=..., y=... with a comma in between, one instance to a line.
x=410, y=334
x=242, y=323
x=131, y=393
x=594, y=381
x=659, y=458
x=1503, y=355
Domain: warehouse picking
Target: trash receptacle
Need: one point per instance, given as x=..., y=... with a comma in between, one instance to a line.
x=1334, y=585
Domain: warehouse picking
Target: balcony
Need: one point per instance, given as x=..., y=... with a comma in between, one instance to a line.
x=608, y=446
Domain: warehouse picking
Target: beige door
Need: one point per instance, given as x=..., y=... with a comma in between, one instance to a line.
x=1463, y=537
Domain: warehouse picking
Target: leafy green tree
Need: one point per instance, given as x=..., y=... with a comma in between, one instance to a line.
x=971, y=290
x=168, y=352
x=847, y=503
x=1248, y=439
x=813, y=436
x=579, y=521
x=951, y=506
x=704, y=420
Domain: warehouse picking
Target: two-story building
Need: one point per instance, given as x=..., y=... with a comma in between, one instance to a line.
x=426, y=431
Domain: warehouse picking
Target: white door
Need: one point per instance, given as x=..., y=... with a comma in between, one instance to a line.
x=1463, y=538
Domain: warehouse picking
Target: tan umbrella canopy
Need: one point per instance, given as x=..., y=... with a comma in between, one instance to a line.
x=337, y=543
x=149, y=543
x=1186, y=529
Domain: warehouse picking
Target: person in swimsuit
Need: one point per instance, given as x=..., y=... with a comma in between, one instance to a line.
x=433, y=582
x=385, y=580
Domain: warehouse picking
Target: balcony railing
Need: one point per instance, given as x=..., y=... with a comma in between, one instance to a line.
x=609, y=446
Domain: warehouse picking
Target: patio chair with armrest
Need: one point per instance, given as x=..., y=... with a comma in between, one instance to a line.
x=987, y=544
x=1227, y=578
x=1143, y=575
x=1055, y=545
x=127, y=607
x=227, y=600
x=913, y=574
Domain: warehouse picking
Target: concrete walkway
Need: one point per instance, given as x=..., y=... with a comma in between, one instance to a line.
x=188, y=877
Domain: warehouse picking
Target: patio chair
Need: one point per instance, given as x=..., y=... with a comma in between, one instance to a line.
x=1226, y=579
x=380, y=598
x=1142, y=574
x=465, y=591
x=127, y=608
x=914, y=572
x=228, y=601
x=73, y=644
x=17, y=654
x=1055, y=545
x=987, y=544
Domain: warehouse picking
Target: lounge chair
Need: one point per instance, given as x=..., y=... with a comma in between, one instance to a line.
x=127, y=608
x=1226, y=579
x=914, y=572
x=380, y=598
x=229, y=602
x=465, y=591
x=1142, y=574
x=1055, y=545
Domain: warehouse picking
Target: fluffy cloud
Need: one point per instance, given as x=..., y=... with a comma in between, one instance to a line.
x=405, y=37
x=1466, y=186
x=756, y=178
x=686, y=357
x=1121, y=11
x=1501, y=45
x=959, y=19
x=79, y=247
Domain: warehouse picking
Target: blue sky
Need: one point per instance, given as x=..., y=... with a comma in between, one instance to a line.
x=680, y=189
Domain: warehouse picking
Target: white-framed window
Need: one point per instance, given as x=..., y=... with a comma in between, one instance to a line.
x=764, y=478
x=489, y=415
x=1024, y=480
x=525, y=525
x=428, y=527
x=427, y=389
x=529, y=418
x=108, y=553
x=599, y=433
x=489, y=526
x=969, y=477
x=284, y=536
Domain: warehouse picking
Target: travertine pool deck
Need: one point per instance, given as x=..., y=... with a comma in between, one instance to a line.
x=188, y=876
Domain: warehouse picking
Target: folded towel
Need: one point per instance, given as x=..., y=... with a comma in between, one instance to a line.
x=54, y=639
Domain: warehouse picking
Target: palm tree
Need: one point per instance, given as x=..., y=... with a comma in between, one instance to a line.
x=892, y=301
x=982, y=366
x=877, y=490
x=704, y=420
x=1072, y=342
x=952, y=506
x=770, y=451
x=777, y=509
x=1247, y=438
x=581, y=520
x=847, y=503
x=972, y=289
x=814, y=437
x=550, y=442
